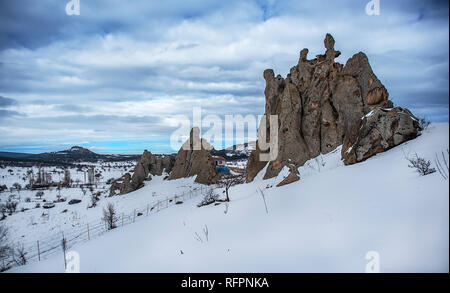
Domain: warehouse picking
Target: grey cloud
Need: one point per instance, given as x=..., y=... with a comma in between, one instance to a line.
x=8, y=113
x=6, y=102
x=181, y=54
x=73, y=108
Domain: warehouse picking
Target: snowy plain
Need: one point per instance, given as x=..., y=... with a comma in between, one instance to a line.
x=30, y=224
x=325, y=222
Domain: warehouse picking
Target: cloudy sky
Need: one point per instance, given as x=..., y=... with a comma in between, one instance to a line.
x=114, y=77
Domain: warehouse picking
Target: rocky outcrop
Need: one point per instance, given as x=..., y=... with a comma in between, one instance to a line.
x=379, y=130
x=194, y=159
x=320, y=105
x=122, y=185
x=148, y=165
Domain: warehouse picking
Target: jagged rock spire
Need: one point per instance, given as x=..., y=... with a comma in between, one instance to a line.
x=321, y=105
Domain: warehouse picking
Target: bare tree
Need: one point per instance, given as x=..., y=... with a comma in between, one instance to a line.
x=40, y=194
x=228, y=180
x=110, y=216
x=421, y=165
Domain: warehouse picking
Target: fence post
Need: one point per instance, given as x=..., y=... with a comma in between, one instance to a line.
x=147, y=209
x=134, y=215
x=89, y=236
x=39, y=251
x=64, y=247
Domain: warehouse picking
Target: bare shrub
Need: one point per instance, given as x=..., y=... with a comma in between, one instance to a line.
x=64, y=248
x=110, y=216
x=264, y=199
x=5, y=250
x=421, y=165
x=209, y=198
x=20, y=255
x=424, y=123
x=95, y=197
x=206, y=233
x=3, y=211
x=11, y=207
x=442, y=164
x=198, y=238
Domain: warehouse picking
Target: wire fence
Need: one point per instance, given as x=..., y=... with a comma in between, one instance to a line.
x=33, y=251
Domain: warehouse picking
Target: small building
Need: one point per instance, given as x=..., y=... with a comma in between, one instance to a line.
x=223, y=169
x=219, y=161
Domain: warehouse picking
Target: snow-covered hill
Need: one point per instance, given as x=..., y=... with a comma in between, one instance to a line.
x=243, y=147
x=326, y=222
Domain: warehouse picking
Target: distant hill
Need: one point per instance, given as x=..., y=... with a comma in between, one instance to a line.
x=236, y=152
x=75, y=154
x=246, y=148
x=14, y=155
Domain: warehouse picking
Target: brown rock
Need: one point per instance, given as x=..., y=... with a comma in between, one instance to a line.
x=372, y=91
x=320, y=105
x=148, y=165
x=194, y=159
x=292, y=177
x=379, y=131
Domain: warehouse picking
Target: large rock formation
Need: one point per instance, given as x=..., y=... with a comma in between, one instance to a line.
x=194, y=159
x=148, y=165
x=322, y=104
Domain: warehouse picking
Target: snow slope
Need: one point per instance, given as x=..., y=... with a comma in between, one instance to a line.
x=326, y=222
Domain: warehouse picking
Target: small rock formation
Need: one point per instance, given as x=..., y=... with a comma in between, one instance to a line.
x=148, y=165
x=194, y=158
x=321, y=104
x=123, y=185
x=292, y=177
x=379, y=131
